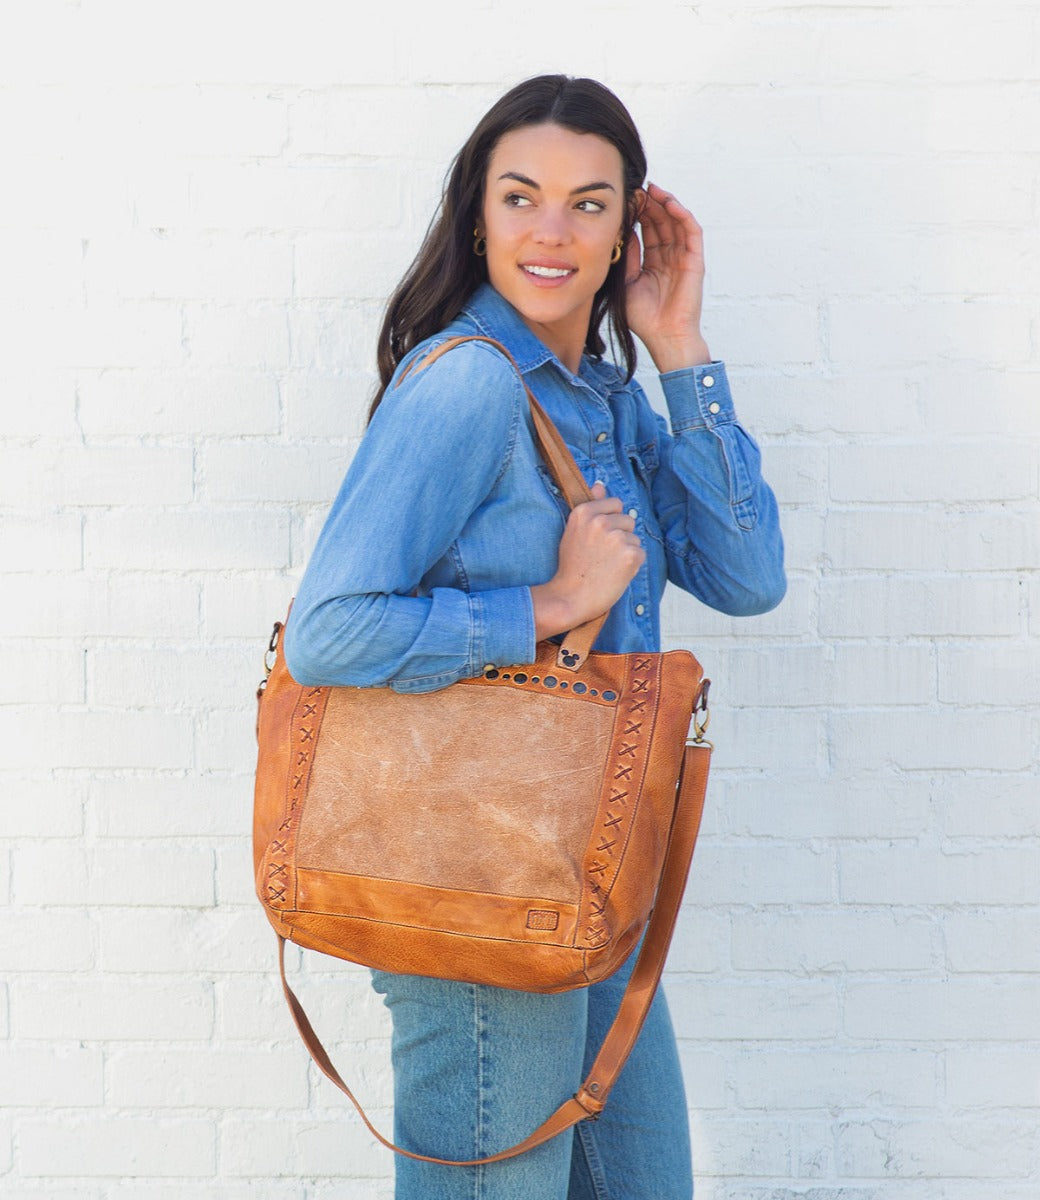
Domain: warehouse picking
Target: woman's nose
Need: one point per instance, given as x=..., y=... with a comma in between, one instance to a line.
x=552, y=228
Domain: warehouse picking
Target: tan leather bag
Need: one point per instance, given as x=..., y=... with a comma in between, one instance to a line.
x=514, y=829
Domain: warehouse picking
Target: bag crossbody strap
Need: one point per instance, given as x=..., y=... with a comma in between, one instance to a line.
x=590, y=1098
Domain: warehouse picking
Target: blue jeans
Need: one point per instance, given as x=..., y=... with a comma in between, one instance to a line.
x=477, y=1068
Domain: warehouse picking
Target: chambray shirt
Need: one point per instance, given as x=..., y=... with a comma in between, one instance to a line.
x=421, y=575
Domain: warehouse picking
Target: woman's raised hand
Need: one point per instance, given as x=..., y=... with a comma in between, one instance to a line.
x=599, y=556
x=664, y=274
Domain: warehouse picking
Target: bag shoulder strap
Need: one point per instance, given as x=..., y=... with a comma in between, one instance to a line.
x=576, y=646
x=589, y=1100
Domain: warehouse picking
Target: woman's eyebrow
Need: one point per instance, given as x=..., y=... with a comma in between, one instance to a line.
x=599, y=186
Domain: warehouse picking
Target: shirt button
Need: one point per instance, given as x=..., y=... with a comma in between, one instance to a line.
x=488, y=667
x=633, y=513
x=640, y=609
x=601, y=437
x=708, y=381
x=714, y=408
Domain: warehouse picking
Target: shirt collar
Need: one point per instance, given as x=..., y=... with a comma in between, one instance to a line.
x=496, y=318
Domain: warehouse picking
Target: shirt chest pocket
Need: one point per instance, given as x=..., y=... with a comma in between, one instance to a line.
x=587, y=468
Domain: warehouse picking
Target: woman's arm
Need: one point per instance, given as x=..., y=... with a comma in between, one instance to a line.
x=432, y=453
x=718, y=516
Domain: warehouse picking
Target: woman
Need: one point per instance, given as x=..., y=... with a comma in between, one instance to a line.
x=448, y=550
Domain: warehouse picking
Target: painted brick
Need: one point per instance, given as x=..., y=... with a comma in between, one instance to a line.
x=722, y=1010
x=1000, y=805
x=928, y=740
x=291, y=196
x=48, y=672
x=130, y=604
x=904, y=606
x=974, y=674
x=925, y=540
x=119, y=1146
x=932, y=471
x=159, y=264
x=247, y=471
x=993, y=1077
x=701, y=941
x=777, y=1080
x=929, y=874
x=48, y=940
x=762, y=874
x=54, y=872
x=95, y=1010
x=169, y=678
x=95, y=739
x=970, y=1148
x=182, y=941
x=885, y=805
x=239, y=1078
x=333, y=406
x=704, y=1074
x=165, y=806
x=211, y=402
x=960, y=1008
x=178, y=539
x=996, y=331
x=59, y=1076
x=829, y=940
x=245, y=604
x=742, y=1146
x=993, y=940
x=246, y=334
x=827, y=676
x=27, y=544
x=40, y=807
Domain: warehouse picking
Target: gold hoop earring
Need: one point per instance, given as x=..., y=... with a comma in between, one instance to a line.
x=616, y=256
x=479, y=243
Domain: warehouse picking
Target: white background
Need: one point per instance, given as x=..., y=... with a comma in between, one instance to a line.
x=203, y=208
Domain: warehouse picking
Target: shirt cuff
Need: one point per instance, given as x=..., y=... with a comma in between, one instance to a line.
x=698, y=397
x=503, y=619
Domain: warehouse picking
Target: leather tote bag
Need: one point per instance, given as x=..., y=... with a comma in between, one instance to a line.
x=515, y=829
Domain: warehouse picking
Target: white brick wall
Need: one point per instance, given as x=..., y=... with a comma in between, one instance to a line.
x=203, y=209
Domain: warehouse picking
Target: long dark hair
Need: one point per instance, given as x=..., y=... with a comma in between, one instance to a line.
x=446, y=272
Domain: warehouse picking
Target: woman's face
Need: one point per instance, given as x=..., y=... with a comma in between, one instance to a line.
x=554, y=206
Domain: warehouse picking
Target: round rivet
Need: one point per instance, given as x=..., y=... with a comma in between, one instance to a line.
x=714, y=408
x=708, y=381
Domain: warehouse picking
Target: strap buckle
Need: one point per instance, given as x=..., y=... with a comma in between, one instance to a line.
x=700, y=705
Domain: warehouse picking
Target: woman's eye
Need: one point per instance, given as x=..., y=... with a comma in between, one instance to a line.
x=594, y=206
x=515, y=200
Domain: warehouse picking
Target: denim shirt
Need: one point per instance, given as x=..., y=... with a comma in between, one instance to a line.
x=447, y=516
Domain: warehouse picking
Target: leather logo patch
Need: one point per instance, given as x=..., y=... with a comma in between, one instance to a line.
x=541, y=918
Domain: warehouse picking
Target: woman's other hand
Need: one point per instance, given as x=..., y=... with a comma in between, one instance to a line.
x=664, y=275
x=599, y=556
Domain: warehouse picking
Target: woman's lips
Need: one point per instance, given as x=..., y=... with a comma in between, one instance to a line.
x=547, y=274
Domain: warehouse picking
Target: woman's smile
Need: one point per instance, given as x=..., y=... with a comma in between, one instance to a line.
x=553, y=213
